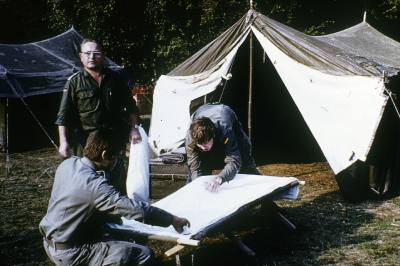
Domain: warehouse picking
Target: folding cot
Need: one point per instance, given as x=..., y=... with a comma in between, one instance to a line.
x=211, y=212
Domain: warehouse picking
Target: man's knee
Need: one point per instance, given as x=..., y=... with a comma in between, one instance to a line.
x=146, y=257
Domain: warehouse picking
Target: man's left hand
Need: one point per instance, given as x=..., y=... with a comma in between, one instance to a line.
x=134, y=136
x=178, y=223
x=113, y=218
x=212, y=185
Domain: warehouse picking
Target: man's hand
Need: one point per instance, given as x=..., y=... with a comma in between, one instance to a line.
x=114, y=218
x=178, y=223
x=134, y=136
x=64, y=150
x=212, y=185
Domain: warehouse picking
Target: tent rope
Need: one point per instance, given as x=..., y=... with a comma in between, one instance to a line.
x=39, y=123
x=229, y=70
x=391, y=98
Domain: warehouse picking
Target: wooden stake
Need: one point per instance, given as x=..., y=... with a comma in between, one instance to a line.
x=178, y=261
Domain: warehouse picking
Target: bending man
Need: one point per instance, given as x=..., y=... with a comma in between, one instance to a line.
x=216, y=140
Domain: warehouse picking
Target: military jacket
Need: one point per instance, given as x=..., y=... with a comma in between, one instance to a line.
x=82, y=197
x=229, y=137
x=90, y=105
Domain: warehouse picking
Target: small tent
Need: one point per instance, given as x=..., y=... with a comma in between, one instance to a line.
x=339, y=82
x=38, y=70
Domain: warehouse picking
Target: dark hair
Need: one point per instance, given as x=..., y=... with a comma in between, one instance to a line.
x=103, y=140
x=202, y=130
x=94, y=41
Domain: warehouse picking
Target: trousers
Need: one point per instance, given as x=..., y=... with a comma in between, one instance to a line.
x=104, y=252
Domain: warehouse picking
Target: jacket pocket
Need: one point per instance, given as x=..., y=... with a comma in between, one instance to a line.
x=86, y=101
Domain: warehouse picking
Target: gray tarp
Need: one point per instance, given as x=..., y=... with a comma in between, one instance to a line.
x=359, y=50
x=41, y=67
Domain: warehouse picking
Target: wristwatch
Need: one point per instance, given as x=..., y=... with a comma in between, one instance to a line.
x=134, y=126
x=219, y=180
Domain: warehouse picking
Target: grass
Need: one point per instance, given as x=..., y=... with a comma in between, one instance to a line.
x=330, y=231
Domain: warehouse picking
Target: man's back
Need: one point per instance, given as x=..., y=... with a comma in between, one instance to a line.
x=222, y=115
x=71, y=207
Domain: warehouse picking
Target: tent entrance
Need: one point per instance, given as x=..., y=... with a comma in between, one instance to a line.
x=279, y=132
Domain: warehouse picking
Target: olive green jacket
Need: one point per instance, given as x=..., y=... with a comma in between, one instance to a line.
x=86, y=104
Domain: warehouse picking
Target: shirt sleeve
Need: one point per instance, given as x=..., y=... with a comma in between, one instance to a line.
x=129, y=101
x=67, y=115
x=233, y=161
x=194, y=162
x=107, y=199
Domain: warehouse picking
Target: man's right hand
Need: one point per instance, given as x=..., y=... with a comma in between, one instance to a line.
x=64, y=150
x=178, y=223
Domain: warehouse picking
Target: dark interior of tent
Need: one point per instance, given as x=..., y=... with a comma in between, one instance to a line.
x=24, y=131
x=279, y=133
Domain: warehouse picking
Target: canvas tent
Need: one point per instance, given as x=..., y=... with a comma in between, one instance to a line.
x=339, y=83
x=38, y=71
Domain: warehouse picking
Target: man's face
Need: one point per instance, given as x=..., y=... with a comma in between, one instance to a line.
x=91, y=56
x=206, y=146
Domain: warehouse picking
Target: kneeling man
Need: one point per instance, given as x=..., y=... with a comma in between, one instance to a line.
x=216, y=140
x=82, y=200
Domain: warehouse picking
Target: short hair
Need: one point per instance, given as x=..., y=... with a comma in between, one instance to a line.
x=202, y=130
x=104, y=139
x=94, y=41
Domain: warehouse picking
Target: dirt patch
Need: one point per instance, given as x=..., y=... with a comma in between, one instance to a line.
x=329, y=230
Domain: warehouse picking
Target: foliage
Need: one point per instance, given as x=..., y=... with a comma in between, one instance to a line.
x=156, y=35
x=23, y=21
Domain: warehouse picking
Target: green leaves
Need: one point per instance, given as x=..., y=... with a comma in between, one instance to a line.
x=150, y=35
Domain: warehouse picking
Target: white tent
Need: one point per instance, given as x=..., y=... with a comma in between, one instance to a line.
x=337, y=81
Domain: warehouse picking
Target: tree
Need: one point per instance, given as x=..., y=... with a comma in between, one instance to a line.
x=149, y=35
x=23, y=21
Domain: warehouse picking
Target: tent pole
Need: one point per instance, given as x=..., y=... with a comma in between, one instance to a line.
x=7, y=136
x=250, y=84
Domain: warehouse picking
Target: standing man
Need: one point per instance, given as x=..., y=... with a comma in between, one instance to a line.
x=96, y=97
x=216, y=140
x=82, y=200
x=93, y=98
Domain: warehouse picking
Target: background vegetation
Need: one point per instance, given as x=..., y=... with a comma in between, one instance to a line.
x=156, y=35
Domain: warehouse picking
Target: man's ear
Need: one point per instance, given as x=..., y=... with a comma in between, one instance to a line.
x=105, y=155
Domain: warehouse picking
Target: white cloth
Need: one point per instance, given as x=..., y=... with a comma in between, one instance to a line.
x=138, y=179
x=203, y=208
x=342, y=112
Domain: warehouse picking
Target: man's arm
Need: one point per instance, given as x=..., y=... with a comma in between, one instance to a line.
x=65, y=117
x=134, y=136
x=64, y=149
x=192, y=158
x=232, y=161
x=109, y=200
